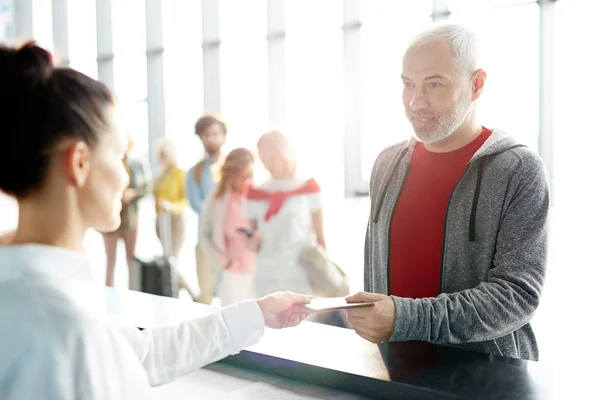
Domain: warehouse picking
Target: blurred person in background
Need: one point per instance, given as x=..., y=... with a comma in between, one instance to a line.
x=286, y=215
x=140, y=184
x=200, y=183
x=221, y=233
x=61, y=158
x=169, y=194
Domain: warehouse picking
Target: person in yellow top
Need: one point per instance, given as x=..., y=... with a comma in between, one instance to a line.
x=169, y=192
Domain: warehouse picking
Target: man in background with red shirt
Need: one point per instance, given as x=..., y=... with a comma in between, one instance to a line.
x=456, y=244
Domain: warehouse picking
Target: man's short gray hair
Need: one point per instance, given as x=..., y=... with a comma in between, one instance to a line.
x=462, y=40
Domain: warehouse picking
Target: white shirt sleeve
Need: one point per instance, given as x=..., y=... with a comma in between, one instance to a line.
x=169, y=352
x=84, y=361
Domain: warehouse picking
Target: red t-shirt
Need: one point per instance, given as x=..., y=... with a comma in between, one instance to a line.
x=417, y=229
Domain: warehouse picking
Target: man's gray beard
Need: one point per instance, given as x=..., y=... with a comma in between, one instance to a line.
x=447, y=124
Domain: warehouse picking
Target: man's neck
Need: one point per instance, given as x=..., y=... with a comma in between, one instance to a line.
x=461, y=137
x=214, y=156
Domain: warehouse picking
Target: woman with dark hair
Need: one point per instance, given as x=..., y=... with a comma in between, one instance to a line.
x=61, y=157
x=221, y=229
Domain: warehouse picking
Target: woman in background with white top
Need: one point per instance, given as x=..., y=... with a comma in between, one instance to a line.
x=61, y=158
x=286, y=214
x=221, y=234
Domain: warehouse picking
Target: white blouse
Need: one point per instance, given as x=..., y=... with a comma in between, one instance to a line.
x=56, y=341
x=283, y=237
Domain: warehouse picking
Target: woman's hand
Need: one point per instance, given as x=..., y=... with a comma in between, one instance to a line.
x=284, y=309
x=254, y=242
x=165, y=205
x=228, y=265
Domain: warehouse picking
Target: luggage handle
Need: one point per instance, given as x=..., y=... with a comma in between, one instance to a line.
x=164, y=233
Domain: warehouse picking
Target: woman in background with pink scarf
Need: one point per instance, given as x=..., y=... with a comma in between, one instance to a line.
x=221, y=228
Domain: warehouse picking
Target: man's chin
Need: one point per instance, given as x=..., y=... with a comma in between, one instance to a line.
x=426, y=138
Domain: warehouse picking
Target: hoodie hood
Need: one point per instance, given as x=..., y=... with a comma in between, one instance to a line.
x=497, y=143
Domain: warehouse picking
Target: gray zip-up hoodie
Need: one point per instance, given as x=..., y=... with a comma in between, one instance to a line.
x=494, y=251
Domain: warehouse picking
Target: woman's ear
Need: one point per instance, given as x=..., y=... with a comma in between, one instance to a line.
x=77, y=162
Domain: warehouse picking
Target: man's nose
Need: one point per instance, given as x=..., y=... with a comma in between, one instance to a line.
x=418, y=101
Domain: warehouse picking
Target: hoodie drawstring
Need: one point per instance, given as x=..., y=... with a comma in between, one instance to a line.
x=480, y=169
x=387, y=185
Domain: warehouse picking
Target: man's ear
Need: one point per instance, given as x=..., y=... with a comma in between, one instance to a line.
x=77, y=163
x=478, y=79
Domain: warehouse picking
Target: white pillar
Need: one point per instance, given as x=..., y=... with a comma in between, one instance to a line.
x=104, y=38
x=156, y=84
x=276, y=51
x=23, y=19
x=352, y=128
x=7, y=21
x=211, y=43
x=60, y=31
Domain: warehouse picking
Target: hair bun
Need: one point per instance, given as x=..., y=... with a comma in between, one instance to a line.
x=29, y=64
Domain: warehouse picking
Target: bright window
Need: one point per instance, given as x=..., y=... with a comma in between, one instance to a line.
x=244, y=70
x=7, y=21
x=387, y=28
x=314, y=89
x=129, y=41
x=510, y=100
x=576, y=138
x=184, y=97
x=130, y=73
x=42, y=24
x=470, y=5
x=82, y=36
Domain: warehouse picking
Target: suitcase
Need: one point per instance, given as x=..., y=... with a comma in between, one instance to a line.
x=159, y=275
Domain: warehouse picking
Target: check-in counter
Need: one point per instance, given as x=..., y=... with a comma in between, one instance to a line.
x=336, y=363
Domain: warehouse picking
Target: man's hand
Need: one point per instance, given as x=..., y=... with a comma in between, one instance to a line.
x=376, y=323
x=284, y=309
